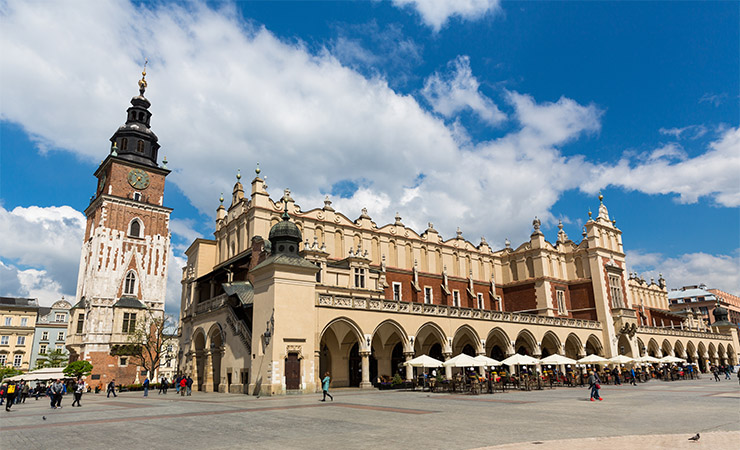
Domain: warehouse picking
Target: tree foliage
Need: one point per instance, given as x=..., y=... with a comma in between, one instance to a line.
x=78, y=369
x=7, y=372
x=56, y=358
x=147, y=342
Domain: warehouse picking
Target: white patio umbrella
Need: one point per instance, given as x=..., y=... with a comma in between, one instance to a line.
x=593, y=359
x=648, y=359
x=621, y=359
x=423, y=361
x=487, y=361
x=557, y=360
x=463, y=360
x=671, y=359
x=520, y=360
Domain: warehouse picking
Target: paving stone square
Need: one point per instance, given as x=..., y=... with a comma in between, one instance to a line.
x=651, y=415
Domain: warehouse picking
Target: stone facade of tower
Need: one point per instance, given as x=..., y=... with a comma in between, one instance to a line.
x=123, y=265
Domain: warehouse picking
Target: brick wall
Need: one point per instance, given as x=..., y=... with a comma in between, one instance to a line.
x=520, y=298
x=582, y=302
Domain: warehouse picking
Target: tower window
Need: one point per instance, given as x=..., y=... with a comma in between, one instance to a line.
x=124, y=144
x=141, y=117
x=80, y=323
x=428, y=295
x=140, y=147
x=135, y=229
x=359, y=278
x=129, y=286
x=481, y=303
x=456, y=298
x=397, y=291
x=137, y=196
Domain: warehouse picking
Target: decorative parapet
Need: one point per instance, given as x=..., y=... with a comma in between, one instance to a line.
x=212, y=304
x=372, y=304
x=683, y=333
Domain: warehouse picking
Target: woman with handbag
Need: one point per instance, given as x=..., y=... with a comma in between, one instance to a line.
x=595, y=384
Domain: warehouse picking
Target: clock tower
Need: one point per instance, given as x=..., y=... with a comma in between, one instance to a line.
x=123, y=266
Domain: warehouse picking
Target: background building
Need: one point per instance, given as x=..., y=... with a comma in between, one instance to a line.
x=701, y=300
x=123, y=266
x=17, y=321
x=51, y=330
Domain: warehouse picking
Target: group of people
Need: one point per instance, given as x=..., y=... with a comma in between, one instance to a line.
x=727, y=370
x=183, y=385
x=12, y=393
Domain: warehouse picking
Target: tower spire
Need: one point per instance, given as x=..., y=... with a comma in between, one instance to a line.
x=142, y=82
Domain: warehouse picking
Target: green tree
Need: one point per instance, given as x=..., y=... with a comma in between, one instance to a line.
x=7, y=372
x=56, y=358
x=148, y=341
x=78, y=369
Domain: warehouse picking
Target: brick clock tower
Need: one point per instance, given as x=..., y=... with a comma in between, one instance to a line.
x=123, y=266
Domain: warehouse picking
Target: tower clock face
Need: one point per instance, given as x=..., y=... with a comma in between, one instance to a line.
x=138, y=179
x=101, y=183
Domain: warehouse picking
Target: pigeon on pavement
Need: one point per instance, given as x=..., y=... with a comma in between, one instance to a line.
x=694, y=438
x=43, y=417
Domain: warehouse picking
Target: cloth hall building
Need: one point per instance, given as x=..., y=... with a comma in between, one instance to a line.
x=281, y=295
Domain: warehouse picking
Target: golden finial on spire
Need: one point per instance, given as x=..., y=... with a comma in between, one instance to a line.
x=142, y=82
x=238, y=174
x=601, y=197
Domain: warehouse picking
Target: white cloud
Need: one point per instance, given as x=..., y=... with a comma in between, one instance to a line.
x=716, y=271
x=436, y=13
x=712, y=174
x=689, y=131
x=457, y=91
x=41, y=251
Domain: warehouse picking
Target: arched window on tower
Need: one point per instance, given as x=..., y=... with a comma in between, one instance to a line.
x=129, y=286
x=141, y=117
x=124, y=144
x=135, y=228
x=140, y=147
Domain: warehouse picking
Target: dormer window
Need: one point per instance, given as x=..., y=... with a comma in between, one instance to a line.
x=140, y=147
x=135, y=227
x=359, y=278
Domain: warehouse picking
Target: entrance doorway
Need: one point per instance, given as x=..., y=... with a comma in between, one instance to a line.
x=355, y=366
x=292, y=372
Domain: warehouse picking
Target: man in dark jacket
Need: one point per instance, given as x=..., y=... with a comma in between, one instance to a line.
x=112, y=388
x=11, y=390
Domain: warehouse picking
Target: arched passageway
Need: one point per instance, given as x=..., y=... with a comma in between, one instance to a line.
x=386, y=359
x=340, y=353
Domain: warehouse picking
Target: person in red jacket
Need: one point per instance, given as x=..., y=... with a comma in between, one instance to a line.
x=183, y=386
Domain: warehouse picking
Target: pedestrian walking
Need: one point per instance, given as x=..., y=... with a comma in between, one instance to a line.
x=112, y=388
x=182, y=386
x=57, y=390
x=79, y=390
x=715, y=372
x=595, y=384
x=162, y=386
x=615, y=374
x=10, y=393
x=25, y=389
x=727, y=373
x=3, y=389
x=177, y=384
x=190, y=385
x=325, y=387
x=146, y=387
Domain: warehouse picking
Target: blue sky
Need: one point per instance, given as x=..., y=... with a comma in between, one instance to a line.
x=475, y=114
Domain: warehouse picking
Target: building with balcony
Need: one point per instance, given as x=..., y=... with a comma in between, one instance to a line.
x=325, y=293
x=17, y=323
x=701, y=300
x=51, y=331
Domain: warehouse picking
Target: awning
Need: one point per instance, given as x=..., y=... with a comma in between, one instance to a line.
x=242, y=289
x=48, y=373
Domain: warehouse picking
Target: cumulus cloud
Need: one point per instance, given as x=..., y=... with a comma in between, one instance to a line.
x=436, y=13
x=712, y=174
x=41, y=251
x=457, y=91
x=716, y=271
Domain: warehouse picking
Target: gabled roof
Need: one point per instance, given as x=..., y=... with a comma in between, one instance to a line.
x=242, y=289
x=129, y=302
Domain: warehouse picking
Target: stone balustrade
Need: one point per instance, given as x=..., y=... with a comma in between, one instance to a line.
x=373, y=304
x=211, y=304
x=683, y=333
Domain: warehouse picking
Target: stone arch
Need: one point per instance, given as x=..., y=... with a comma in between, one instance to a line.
x=388, y=344
x=666, y=347
x=624, y=346
x=466, y=340
x=641, y=350
x=712, y=350
x=721, y=354
x=498, y=344
x=375, y=250
x=679, y=350
x=526, y=344
x=216, y=349
x=392, y=254
x=431, y=340
x=653, y=349
x=529, y=262
x=550, y=344
x=514, y=270
x=339, y=244
x=339, y=346
x=136, y=228
x=573, y=347
x=691, y=351
x=731, y=355
x=593, y=346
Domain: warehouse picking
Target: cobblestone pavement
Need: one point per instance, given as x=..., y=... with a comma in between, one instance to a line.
x=388, y=419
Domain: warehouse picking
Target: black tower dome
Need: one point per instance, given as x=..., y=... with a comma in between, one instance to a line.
x=134, y=140
x=285, y=237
